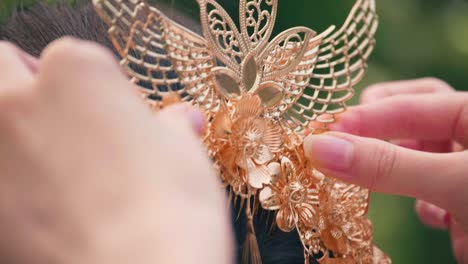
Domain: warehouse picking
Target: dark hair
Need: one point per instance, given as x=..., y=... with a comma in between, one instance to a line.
x=33, y=29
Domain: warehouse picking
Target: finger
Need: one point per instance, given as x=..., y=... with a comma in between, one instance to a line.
x=70, y=65
x=184, y=155
x=459, y=238
x=85, y=77
x=383, y=167
x=445, y=146
x=432, y=215
x=420, y=86
x=193, y=115
x=17, y=70
x=17, y=67
x=425, y=117
x=457, y=147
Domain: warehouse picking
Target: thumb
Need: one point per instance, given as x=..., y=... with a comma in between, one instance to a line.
x=194, y=116
x=383, y=167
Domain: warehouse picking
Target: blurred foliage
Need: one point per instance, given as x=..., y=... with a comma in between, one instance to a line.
x=416, y=38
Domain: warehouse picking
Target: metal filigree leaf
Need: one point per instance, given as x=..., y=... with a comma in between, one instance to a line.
x=257, y=20
x=227, y=83
x=222, y=34
x=250, y=72
x=270, y=93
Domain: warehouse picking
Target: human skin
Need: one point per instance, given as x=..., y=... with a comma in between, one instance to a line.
x=426, y=124
x=88, y=174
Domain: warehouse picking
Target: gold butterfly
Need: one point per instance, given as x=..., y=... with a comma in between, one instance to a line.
x=260, y=94
x=299, y=75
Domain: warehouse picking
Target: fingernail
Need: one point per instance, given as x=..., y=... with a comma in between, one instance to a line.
x=330, y=152
x=447, y=220
x=197, y=118
x=31, y=62
x=439, y=214
x=346, y=123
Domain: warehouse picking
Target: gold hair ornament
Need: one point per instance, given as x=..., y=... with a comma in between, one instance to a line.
x=261, y=95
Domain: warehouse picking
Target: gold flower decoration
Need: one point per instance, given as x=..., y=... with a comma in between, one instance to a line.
x=341, y=220
x=292, y=195
x=252, y=142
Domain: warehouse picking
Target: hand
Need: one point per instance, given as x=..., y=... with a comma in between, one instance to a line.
x=90, y=175
x=427, y=122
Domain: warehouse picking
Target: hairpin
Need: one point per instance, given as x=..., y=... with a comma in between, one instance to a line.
x=261, y=96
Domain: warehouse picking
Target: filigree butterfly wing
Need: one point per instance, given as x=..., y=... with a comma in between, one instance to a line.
x=287, y=63
x=340, y=65
x=162, y=57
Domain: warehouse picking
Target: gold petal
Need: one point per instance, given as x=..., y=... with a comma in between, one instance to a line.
x=250, y=73
x=227, y=82
x=269, y=200
x=272, y=137
x=270, y=94
x=228, y=160
x=275, y=171
x=222, y=124
x=249, y=106
x=262, y=155
x=329, y=241
x=260, y=125
x=170, y=99
x=288, y=169
x=245, y=163
x=343, y=245
x=307, y=213
x=293, y=140
x=258, y=176
x=285, y=220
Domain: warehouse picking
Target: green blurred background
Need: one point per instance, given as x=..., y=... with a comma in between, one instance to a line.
x=416, y=38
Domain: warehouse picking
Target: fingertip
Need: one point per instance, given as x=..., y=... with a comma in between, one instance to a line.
x=348, y=122
x=60, y=48
x=432, y=215
x=15, y=64
x=330, y=153
x=30, y=61
x=459, y=241
x=195, y=116
x=379, y=165
x=78, y=56
x=372, y=94
x=198, y=120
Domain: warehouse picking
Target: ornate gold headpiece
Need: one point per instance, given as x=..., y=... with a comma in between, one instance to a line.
x=261, y=97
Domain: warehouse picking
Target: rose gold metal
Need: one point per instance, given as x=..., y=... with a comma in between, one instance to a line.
x=261, y=95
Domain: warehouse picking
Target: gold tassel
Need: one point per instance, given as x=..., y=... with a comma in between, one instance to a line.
x=250, y=250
